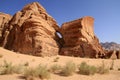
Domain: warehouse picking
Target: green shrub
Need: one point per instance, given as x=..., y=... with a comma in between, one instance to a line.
x=55, y=68
x=86, y=69
x=40, y=71
x=68, y=69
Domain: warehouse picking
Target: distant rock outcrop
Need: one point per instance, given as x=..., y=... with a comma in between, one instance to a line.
x=4, y=19
x=113, y=54
x=32, y=31
x=111, y=46
x=80, y=40
x=112, y=50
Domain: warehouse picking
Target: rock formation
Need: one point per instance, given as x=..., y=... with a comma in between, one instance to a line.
x=4, y=19
x=113, y=54
x=80, y=40
x=32, y=31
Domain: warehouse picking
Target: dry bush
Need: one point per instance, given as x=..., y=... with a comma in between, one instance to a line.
x=68, y=69
x=55, y=68
x=19, y=69
x=86, y=69
x=40, y=71
x=6, y=68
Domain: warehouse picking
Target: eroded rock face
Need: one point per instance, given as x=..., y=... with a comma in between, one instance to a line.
x=112, y=54
x=4, y=19
x=32, y=31
x=80, y=39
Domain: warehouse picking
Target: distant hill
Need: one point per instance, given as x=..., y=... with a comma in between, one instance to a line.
x=111, y=46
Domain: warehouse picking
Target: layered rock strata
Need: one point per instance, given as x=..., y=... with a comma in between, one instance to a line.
x=32, y=31
x=80, y=40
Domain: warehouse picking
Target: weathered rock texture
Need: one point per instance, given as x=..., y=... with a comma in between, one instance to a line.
x=32, y=31
x=80, y=39
x=113, y=54
x=4, y=19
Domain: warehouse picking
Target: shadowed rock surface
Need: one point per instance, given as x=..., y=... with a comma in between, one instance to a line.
x=113, y=54
x=32, y=31
x=80, y=39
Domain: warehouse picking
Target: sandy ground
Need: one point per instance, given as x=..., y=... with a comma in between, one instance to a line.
x=16, y=58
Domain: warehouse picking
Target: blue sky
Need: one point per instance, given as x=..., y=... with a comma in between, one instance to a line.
x=105, y=12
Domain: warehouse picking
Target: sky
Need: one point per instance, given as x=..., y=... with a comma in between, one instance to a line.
x=105, y=12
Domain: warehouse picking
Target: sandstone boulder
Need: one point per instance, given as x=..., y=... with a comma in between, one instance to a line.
x=32, y=31
x=80, y=40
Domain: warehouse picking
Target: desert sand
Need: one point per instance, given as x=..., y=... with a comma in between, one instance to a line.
x=17, y=58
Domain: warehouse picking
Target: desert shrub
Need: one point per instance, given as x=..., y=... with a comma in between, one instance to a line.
x=68, y=69
x=86, y=69
x=55, y=68
x=40, y=71
x=43, y=72
x=6, y=68
x=19, y=69
x=30, y=72
x=56, y=59
x=1, y=55
x=102, y=70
